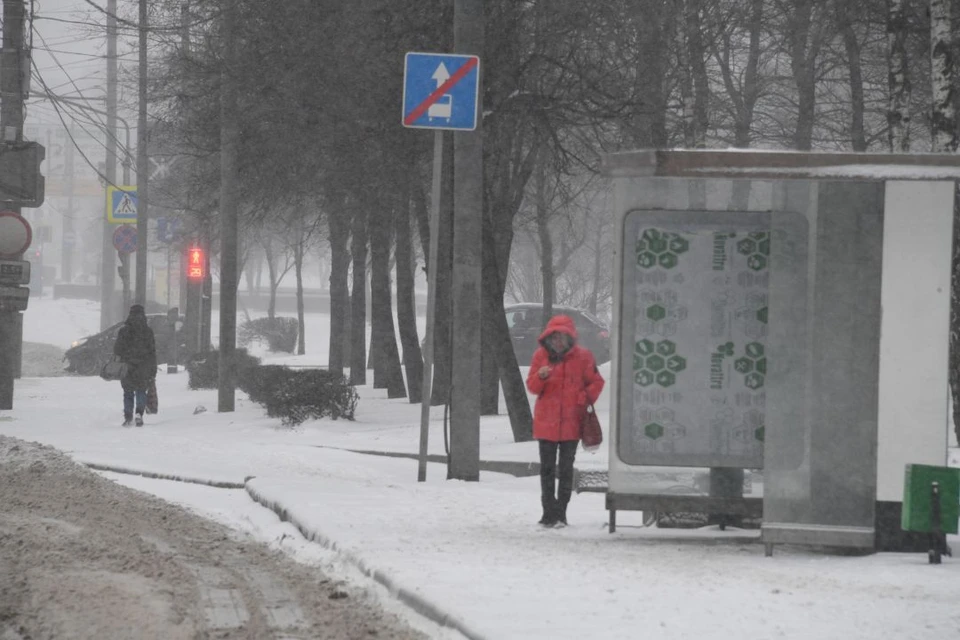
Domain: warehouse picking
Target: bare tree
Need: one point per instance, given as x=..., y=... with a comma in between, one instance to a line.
x=898, y=113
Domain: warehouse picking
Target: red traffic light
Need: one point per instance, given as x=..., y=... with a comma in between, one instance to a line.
x=195, y=263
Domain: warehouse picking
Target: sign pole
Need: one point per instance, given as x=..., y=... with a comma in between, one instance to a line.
x=431, y=305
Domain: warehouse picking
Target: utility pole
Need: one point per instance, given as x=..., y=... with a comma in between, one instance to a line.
x=140, y=291
x=68, y=239
x=467, y=254
x=229, y=139
x=11, y=130
x=108, y=311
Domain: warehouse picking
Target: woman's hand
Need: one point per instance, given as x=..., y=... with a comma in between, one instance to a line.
x=543, y=372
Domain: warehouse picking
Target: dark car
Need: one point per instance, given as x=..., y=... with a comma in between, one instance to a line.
x=87, y=355
x=525, y=321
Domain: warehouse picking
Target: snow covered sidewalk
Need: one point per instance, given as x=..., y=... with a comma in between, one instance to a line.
x=472, y=551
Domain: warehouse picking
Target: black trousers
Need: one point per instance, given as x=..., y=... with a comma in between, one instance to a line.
x=556, y=485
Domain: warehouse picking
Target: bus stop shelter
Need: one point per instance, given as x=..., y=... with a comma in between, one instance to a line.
x=784, y=317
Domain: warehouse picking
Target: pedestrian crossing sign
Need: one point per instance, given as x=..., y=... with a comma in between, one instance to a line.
x=121, y=205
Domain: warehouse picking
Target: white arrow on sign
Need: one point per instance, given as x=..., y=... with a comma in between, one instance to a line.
x=441, y=75
x=442, y=108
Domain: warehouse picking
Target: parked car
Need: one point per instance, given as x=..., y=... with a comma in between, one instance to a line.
x=526, y=323
x=87, y=355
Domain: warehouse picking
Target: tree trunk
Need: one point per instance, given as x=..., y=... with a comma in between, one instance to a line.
x=954, y=357
x=743, y=96
x=384, y=338
x=298, y=272
x=898, y=112
x=546, y=241
x=851, y=46
x=443, y=317
x=649, y=128
x=339, y=289
x=597, y=266
x=697, y=83
x=358, y=300
x=514, y=389
x=407, y=307
x=804, y=42
x=272, y=271
x=942, y=121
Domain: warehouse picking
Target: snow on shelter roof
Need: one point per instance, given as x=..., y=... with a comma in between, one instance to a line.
x=781, y=165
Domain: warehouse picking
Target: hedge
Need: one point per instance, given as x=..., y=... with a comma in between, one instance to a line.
x=296, y=395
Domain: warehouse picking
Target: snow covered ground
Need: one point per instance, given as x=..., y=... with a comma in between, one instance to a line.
x=471, y=551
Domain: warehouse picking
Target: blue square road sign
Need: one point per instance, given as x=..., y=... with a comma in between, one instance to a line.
x=440, y=91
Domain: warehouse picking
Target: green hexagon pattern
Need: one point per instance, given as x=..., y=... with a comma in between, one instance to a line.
x=655, y=363
x=643, y=378
x=753, y=380
x=666, y=379
x=746, y=246
x=654, y=430
x=676, y=363
x=666, y=348
x=643, y=347
x=668, y=261
x=656, y=312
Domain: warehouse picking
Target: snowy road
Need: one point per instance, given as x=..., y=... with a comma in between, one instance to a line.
x=83, y=557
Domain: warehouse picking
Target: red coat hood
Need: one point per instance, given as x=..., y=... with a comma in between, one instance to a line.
x=561, y=324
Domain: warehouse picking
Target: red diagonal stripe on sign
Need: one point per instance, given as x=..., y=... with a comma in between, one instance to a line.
x=442, y=89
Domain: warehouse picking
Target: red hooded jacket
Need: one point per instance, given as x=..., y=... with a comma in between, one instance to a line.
x=573, y=383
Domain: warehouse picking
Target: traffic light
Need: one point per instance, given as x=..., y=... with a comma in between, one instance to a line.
x=195, y=264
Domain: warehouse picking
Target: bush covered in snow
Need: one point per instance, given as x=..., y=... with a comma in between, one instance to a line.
x=280, y=334
x=295, y=395
x=204, y=371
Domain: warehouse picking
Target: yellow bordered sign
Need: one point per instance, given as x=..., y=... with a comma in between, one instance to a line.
x=121, y=205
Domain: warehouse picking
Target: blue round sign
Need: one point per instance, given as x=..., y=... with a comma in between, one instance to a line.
x=125, y=238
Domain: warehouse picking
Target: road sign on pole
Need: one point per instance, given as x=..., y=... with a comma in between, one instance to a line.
x=15, y=234
x=14, y=298
x=121, y=204
x=14, y=272
x=125, y=239
x=440, y=91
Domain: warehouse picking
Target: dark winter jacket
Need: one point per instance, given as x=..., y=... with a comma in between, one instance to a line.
x=136, y=346
x=573, y=383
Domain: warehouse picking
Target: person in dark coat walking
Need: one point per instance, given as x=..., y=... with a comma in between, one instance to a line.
x=136, y=347
x=565, y=379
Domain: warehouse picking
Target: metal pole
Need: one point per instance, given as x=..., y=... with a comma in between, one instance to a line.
x=229, y=139
x=142, y=168
x=108, y=256
x=11, y=130
x=467, y=238
x=67, y=239
x=431, y=305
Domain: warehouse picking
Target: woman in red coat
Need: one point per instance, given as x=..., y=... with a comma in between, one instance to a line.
x=565, y=378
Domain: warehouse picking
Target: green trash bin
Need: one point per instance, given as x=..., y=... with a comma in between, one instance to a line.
x=917, y=512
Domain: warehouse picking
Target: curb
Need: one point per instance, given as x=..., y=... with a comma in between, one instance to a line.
x=410, y=598
x=517, y=469
x=165, y=476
